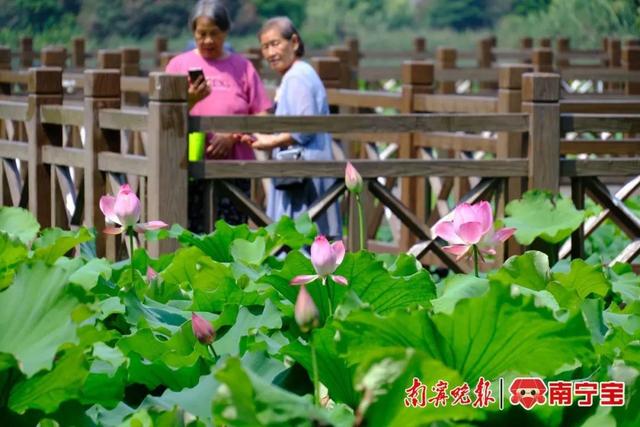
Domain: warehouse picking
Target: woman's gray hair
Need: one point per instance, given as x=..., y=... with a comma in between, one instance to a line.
x=213, y=10
x=287, y=30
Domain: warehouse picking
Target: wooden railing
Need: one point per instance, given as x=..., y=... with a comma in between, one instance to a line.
x=66, y=175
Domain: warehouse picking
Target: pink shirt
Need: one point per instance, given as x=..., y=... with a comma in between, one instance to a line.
x=236, y=89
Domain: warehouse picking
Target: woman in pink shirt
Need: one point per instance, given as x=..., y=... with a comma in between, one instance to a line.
x=230, y=86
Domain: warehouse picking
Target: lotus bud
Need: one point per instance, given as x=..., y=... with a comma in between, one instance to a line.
x=306, y=312
x=352, y=179
x=202, y=329
x=127, y=206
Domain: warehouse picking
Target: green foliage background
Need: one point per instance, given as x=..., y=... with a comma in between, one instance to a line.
x=378, y=23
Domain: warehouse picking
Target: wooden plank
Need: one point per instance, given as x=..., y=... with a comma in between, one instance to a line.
x=14, y=150
x=62, y=115
x=618, y=211
x=360, y=99
x=604, y=74
x=12, y=110
x=609, y=106
x=630, y=147
x=456, y=141
x=455, y=103
x=123, y=163
x=358, y=123
x=9, y=76
x=134, y=84
x=579, y=122
x=600, y=167
x=217, y=169
x=63, y=156
x=392, y=138
x=628, y=254
x=475, y=74
x=380, y=73
x=125, y=119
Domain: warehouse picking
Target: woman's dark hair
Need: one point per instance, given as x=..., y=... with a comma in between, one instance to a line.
x=287, y=30
x=213, y=10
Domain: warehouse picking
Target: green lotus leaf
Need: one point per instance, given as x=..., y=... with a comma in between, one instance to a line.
x=19, y=223
x=538, y=214
x=48, y=389
x=35, y=314
x=245, y=251
x=529, y=270
x=55, y=242
x=455, y=288
x=248, y=400
x=12, y=252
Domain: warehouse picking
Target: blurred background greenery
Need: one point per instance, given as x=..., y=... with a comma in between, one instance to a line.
x=377, y=23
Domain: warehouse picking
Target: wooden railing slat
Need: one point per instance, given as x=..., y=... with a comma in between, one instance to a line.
x=63, y=156
x=580, y=122
x=14, y=150
x=128, y=119
x=455, y=103
x=362, y=123
x=63, y=114
x=13, y=110
x=123, y=163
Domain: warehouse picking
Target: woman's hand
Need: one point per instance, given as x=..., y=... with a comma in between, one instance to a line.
x=221, y=146
x=198, y=90
x=266, y=142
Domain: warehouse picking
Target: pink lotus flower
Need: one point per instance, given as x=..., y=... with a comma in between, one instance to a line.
x=352, y=179
x=305, y=311
x=151, y=273
x=325, y=258
x=471, y=225
x=124, y=210
x=202, y=329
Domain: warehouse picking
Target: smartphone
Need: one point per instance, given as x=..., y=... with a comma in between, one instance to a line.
x=194, y=73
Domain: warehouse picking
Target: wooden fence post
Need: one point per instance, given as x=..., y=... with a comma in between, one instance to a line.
x=417, y=78
x=53, y=56
x=167, y=154
x=161, y=46
x=542, y=59
x=631, y=64
x=419, y=47
x=109, y=59
x=541, y=94
x=511, y=145
x=486, y=59
x=5, y=64
x=101, y=90
x=446, y=59
x=605, y=50
x=328, y=69
x=78, y=53
x=45, y=87
x=165, y=57
x=563, y=46
x=545, y=42
x=26, y=52
x=353, y=45
x=130, y=66
x=615, y=59
x=342, y=53
x=526, y=44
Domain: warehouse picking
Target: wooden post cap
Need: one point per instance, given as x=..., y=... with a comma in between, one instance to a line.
x=53, y=56
x=563, y=43
x=165, y=57
x=102, y=83
x=161, y=44
x=545, y=42
x=130, y=55
x=526, y=43
x=446, y=55
x=510, y=75
x=417, y=72
x=328, y=68
x=45, y=81
x=420, y=44
x=540, y=87
x=167, y=87
x=109, y=58
x=632, y=42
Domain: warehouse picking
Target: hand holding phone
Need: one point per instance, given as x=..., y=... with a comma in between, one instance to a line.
x=194, y=73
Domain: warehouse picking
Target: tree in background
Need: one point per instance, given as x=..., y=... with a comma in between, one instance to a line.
x=459, y=14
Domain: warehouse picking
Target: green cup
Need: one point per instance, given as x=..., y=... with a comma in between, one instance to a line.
x=196, y=146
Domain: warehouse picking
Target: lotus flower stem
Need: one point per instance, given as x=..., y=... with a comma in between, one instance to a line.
x=361, y=221
x=475, y=260
x=213, y=351
x=330, y=297
x=130, y=234
x=314, y=367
